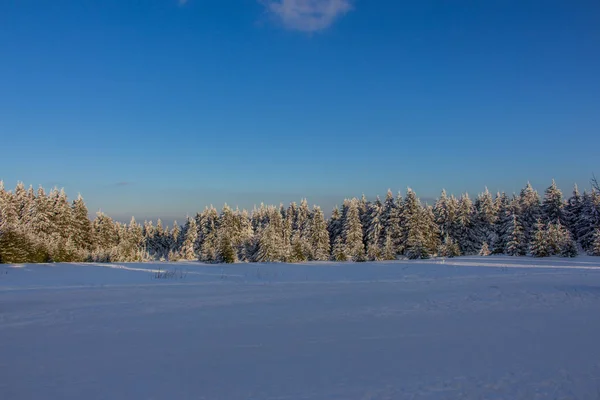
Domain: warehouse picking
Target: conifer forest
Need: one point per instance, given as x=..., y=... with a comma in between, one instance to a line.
x=36, y=226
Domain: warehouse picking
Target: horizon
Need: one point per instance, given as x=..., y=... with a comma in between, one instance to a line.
x=168, y=220
x=161, y=108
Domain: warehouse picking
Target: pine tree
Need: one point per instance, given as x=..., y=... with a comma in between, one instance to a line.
x=415, y=243
x=568, y=246
x=572, y=210
x=595, y=247
x=448, y=247
x=82, y=226
x=392, y=221
x=319, y=237
x=589, y=219
x=339, y=251
x=540, y=246
x=529, y=211
x=352, y=233
x=486, y=214
x=208, y=231
x=443, y=216
x=553, y=205
x=105, y=234
x=334, y=225
x=300, y=237
x=515, y=245
x=502, y=225
x=465, y=232
x=374, y=231
x=388, y=251
x=188, y=249
x=485, y=250
x=271, y=239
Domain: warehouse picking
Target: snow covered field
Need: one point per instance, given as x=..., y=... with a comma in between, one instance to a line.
x=470, y=328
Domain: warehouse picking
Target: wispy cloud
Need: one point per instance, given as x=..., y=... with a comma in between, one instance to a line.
x=123, y=183
x=182, y=2
x=307, y=15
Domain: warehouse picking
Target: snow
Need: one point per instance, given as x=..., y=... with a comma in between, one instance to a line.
x=463, y=328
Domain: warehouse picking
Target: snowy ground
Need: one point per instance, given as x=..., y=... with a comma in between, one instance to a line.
x=471, y=328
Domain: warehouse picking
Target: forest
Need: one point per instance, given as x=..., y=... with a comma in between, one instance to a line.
x=38, y=226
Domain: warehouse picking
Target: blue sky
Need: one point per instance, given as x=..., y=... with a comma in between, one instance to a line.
x=158, y=108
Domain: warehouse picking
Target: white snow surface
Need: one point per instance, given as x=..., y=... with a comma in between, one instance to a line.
x=464, y=328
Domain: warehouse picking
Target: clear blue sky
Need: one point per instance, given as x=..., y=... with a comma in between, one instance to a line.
x=158, y=108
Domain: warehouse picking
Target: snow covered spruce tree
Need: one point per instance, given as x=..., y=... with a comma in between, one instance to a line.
x=515, y=244
x=375, y=231
x=208, y=222
x=189, y=247
x=529, y=211
x=319, y=237
x=589, y=219
x=464, y=228
x=572, y=210
x=553, y=204
x=392, y=223
x=540, y=244
x=595, y=247
x=416, y=240
x=352, y=232
x=271, y=238
x=486, y=214
x=502, y=224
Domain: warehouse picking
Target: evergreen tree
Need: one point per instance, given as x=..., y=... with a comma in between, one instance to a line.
x=589, y=219
x=319, y=237
x=485, y=250
x=189, y=248
x=300, y=237
x=540, y=246
x=572, y=211
x=595, y=247
x=334, y=225
x=502, y=225
x=486, y=214
x=339, y=251
x=516, y=245
x=374, y=231
x=388, y=251
x=82, y=226
x=208, y=231
x=392, y=221
x=443, y=216
x=352, y=232
x=529, y=211
x=465, y=233
x=568, y=246
x=448, y=247
x=270, y=243
x=415, y=242
x=553, y=205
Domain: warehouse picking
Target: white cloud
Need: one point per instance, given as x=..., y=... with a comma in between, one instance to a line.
x=183, y=2
x=307, y=15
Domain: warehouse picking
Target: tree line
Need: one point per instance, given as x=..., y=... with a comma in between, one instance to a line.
x=36, y=226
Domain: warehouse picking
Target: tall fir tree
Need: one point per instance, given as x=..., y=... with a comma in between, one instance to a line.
x=572, y=210
x=353, y=233
x=540, y=245
x=319, y=237
x=553, y=204
x=414, y=233
x=516, y=245
x=189, y=247
x=529, y=211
